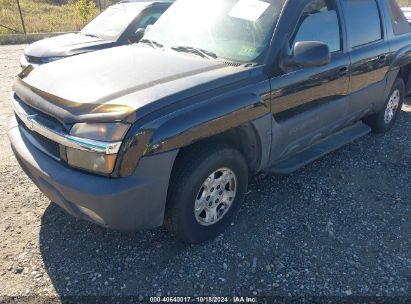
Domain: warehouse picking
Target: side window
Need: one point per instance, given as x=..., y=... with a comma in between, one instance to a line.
x=363, y=21
x=149, y=19
x=319, y=22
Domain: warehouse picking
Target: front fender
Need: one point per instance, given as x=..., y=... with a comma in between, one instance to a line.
x=190, y=124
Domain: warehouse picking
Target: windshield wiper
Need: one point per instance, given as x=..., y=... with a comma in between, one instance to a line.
x=152, y=43
x=197, y=51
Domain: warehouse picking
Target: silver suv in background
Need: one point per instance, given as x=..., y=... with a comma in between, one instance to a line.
x=119, y=24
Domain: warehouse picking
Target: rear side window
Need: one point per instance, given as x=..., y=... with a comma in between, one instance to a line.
x=363, y=21
x=319, y=22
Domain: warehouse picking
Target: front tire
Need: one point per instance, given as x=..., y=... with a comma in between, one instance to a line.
x=384, y=120
x=208, y=185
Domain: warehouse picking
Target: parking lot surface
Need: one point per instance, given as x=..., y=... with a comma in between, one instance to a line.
x=341, y=226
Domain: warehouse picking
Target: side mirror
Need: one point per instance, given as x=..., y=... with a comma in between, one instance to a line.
x=137, y=36
x=309, y=54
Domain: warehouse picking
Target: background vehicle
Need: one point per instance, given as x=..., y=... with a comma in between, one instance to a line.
x=169, y=130
x=117, y=25
x=407, y=13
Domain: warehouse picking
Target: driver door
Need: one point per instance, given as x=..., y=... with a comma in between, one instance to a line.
x=312, y=102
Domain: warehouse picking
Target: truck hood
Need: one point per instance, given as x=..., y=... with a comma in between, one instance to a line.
x=65, y=45
x=120, y=83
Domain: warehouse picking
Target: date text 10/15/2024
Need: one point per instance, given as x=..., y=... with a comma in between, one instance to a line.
x=203, y=299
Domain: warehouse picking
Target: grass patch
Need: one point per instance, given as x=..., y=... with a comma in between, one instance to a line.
x=41, y=16
x=404, y=2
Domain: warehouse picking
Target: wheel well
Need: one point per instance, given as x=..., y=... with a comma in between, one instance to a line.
x=242, y=138
x=405, y=75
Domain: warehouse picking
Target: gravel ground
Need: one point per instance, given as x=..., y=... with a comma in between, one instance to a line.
x=341, y=226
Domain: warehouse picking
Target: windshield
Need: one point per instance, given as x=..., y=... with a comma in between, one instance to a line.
x=237, y=30
x=111, y=23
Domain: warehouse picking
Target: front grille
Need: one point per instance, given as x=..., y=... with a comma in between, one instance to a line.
x=41, y=142
x=34, y=59
x=51, y=128
x=50, y=121
x=50, y=146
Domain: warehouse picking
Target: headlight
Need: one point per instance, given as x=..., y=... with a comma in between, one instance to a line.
x=109, y=132
x=95, y=161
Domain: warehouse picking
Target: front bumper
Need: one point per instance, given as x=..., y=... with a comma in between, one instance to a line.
x=131, y=203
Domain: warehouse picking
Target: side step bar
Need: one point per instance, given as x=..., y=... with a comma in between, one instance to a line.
x=331, y=143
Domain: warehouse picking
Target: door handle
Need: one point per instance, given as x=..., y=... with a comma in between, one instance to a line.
x=343, y=71
x=382, y=58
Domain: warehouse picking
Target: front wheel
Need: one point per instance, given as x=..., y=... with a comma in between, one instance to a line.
x=384, y=120
x=208, y=184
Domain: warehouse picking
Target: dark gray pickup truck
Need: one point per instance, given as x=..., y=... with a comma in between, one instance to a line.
x=168, y=131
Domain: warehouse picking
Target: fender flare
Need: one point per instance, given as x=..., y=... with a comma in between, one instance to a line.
x=401, y=59
x=188, y=125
